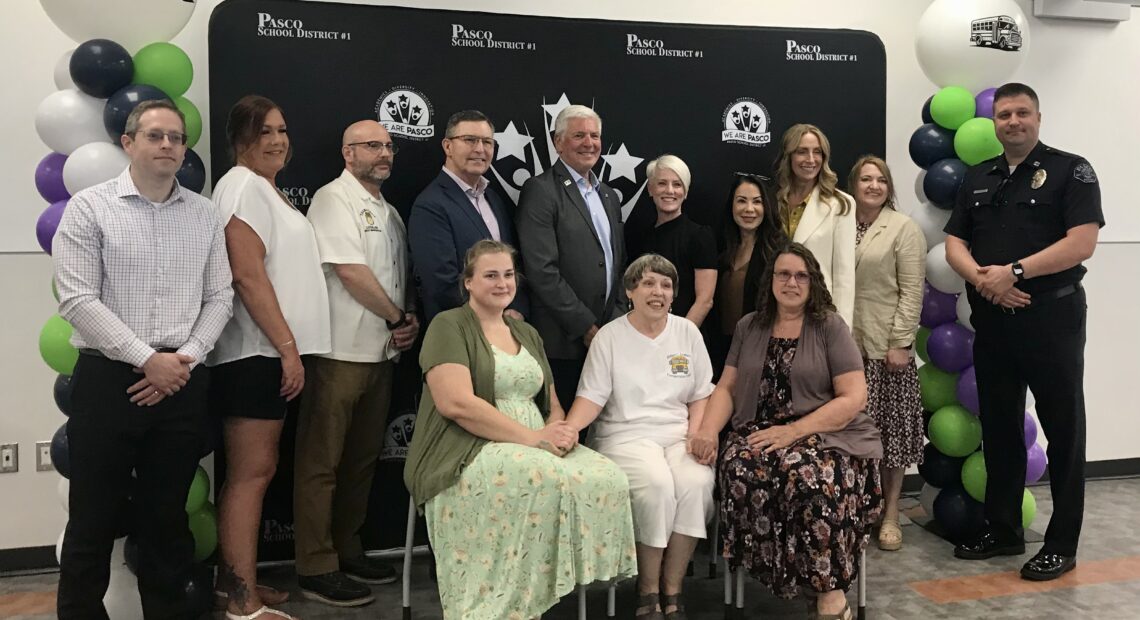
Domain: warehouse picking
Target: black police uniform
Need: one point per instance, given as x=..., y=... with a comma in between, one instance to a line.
x=1004, y=217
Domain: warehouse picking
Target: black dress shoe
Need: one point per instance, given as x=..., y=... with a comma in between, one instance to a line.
x=1046, y=566
x=987, y=545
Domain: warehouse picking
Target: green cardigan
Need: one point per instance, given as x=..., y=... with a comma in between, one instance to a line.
x=440, y=448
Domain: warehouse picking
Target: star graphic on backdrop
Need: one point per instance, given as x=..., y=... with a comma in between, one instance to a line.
x=512, y=143
x=553, y=109
x=622, y=164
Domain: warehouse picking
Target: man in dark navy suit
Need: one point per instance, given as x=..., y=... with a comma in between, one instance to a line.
x=456, y=210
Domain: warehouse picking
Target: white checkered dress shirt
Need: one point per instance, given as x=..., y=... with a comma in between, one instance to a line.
x=134, y=276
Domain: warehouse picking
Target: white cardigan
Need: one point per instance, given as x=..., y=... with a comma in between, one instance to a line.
x=831, y=238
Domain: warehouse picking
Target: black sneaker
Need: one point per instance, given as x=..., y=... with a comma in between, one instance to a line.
x=334, y=589
x=367, y=570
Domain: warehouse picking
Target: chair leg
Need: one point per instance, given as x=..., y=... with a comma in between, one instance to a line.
x=740, y=588
x=581, y=602
x=611, y=599
x=862, y=612
x=728, y=576
x=713, y=545
x=409, y=542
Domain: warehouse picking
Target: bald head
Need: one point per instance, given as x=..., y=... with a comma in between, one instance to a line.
x=368, y=152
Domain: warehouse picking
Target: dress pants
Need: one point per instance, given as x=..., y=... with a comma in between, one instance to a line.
x=340, y=431
x=1042, y=348
x=108, y=438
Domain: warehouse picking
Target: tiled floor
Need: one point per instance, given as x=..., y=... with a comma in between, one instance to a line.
x=921, y=581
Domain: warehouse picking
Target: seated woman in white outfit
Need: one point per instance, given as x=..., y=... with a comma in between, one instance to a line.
x=646, y=380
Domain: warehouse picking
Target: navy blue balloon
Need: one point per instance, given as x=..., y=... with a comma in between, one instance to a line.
x=930, y=143
x=62, y=393
x=940, y=470
x=942, y=180
x=60, y=453
x=926, y=117
x=192, y=174
x=100, y=67
x=959, y=514
x=120, y=105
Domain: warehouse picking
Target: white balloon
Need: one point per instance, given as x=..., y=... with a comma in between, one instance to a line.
x=130, y=23
x=964, y=312
x=926, y=498
x=68, y=119
x=938, y=272
x=960, y=42
x=63, y=71
x=59, y=546
x=122, y=597
x=919, y=192
x=63, y=490
x=931, y=220
x=91, y=164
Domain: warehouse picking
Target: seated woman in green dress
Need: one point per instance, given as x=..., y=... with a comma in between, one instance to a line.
x=518, y=515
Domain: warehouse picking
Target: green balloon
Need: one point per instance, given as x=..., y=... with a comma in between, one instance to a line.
x=199, y=490
x=920, y=344
x=164, y=66
x=976, y=141
x=938, y=388
x=974, y=476
x=193, y=120
x=1028, y=509
x=54, y=289
x=55, y=345
x=950, y=107
x=204, y=528
x=955, y=431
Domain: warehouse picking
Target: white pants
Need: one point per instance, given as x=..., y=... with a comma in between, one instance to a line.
x=670, y=491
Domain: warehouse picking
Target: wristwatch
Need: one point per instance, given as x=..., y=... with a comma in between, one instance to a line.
x=1018, y=271
x=398, y=324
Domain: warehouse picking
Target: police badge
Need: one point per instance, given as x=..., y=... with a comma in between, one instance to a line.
x=1038, y=179
x=1084, y=173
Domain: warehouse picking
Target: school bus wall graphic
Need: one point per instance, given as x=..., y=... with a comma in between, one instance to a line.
x=999, y=31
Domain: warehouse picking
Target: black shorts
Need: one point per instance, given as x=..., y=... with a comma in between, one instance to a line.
x=248, y=388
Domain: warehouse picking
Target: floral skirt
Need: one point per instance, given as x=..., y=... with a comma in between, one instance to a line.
x=895, y=404
x=796, y=518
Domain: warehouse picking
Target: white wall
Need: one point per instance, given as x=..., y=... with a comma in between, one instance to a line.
x=1083, y=72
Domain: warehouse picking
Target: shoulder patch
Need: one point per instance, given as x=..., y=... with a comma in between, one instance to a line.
x=1084, y=173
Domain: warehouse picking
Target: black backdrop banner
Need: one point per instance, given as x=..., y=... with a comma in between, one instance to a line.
x=719, y=97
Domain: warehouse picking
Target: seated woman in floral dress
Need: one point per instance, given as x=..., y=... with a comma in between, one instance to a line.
x=517, y=515
x=799, y=470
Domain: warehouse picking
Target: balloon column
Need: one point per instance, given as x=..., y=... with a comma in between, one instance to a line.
x=965, y=47
x=122, y=58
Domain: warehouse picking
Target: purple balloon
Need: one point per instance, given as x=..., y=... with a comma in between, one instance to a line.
x=49, y=177
x=1035, y=463
x=48, y=222
x=1030, y=430
x=938, y=308
x=951, y=347
x=984, y=103
x=968, y=390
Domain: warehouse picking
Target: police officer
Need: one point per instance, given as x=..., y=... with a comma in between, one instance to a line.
x=1022, y=225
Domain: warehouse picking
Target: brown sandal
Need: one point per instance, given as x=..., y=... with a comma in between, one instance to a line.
x=890, y=536
x=843, y=615
x=648, y=607
x=673, y=600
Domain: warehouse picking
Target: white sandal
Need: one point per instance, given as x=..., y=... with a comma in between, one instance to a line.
x=257, y=614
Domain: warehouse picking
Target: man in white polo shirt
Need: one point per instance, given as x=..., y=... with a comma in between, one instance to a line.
x=344, y=409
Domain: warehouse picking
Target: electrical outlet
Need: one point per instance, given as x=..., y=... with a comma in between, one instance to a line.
x=9, y=458
x=43, y=456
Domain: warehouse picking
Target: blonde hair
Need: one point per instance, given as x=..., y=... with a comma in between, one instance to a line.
x=856, y=170
x=673, y=163
x=827, y=180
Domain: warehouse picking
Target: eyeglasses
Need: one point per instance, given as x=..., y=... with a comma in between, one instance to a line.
x=154, y=136
x=752, y=177
x=376, y=146
x=802, y=277
x=473, y=141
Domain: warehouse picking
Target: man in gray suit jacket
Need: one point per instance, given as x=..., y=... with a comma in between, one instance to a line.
x=569, y=226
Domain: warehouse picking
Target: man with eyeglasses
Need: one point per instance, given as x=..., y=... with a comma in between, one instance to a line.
x=1023, y=224
x=456, y=210
x=344, y=409
x=143, y=276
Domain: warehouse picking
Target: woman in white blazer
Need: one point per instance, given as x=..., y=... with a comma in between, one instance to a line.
x=816, y=213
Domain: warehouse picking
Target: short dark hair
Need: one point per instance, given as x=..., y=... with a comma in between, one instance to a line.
x=243, y=127
x=466, y=116
x=132, y=125
x=1013, y=89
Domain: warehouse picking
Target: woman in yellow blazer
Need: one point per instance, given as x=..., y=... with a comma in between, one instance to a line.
x=816, y=213
x=890, y=266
